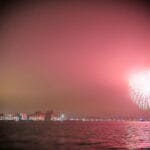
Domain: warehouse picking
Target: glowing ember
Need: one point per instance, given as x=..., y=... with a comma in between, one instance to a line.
x=139, y=85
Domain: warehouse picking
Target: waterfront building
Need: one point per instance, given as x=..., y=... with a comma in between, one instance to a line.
x=23, y=116
x=38, y=116
x=49, y=115
x=1, y=116
x=8, y=116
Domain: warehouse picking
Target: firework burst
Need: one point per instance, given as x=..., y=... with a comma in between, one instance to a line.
x=139, y=86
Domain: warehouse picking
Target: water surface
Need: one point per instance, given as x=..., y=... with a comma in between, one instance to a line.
x=74, y=135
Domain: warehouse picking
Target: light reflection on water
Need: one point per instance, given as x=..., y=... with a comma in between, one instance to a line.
x=74, y=135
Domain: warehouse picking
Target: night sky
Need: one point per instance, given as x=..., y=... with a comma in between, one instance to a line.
x=73, y=57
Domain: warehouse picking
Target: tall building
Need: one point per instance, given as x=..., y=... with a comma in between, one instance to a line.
x=1, y=116
x=37, y=116
x=49, y=115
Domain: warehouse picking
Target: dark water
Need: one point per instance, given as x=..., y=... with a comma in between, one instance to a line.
x=74, y=135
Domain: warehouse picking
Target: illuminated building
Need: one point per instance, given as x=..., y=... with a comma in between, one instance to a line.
x=8, y=116
x=38, y=116
x=23, y=116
